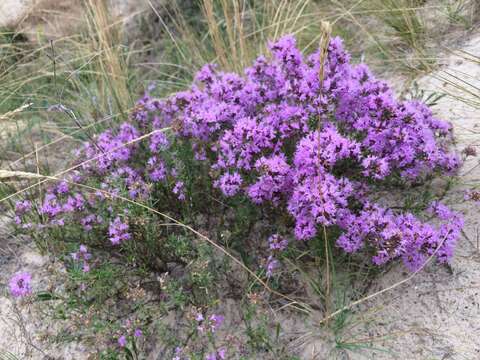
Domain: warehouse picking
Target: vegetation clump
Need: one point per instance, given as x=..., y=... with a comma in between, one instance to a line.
x=303, y=142
x=310, y=140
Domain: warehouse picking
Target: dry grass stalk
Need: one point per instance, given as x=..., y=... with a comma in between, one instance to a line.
x=105, y=39
x=13, y=113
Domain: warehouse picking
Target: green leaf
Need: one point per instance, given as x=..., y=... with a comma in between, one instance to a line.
x=47, y=296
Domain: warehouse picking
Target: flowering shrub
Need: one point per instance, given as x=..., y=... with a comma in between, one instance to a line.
x=313, y=147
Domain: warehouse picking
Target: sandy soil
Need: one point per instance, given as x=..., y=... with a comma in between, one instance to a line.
x=23, y=329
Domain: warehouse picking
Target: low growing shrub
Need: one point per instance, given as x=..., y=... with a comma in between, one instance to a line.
x=304, y=141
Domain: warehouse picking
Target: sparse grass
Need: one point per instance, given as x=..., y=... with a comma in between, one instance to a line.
x=402, y=17
x=229, y=33
x=70, y=84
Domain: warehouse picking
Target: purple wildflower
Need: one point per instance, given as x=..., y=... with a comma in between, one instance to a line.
x=216, y=321
x=122, y=341
x=276, y=242
x=222, y=353
x=20, y=285
x=22, y=207
x=157, y=170
x=158, y=142
x=212, y=324
x=229, y=183
x=199, y=317
x=51, y=206
x=178, y=353
x=118, y=231
x=82, y=255
x=271, y=265
x=179, y=190
x=62, y=188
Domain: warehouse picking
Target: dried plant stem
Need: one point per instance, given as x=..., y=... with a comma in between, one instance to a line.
x=12, y=113
x=323, y=46
x=327, y=275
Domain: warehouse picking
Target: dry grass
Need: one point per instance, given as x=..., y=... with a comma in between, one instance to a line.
x=237, y=31
x=104, y=38
x=84, y=77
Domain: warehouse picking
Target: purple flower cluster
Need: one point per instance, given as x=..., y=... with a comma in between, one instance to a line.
x=211, y=324
x=82, y=256
x=276, y=244
x=220, y=354
x=281, y=135
x=403, y=235
x=22, y=207
x=122, y=340
x=118, y=231
x=20, y=285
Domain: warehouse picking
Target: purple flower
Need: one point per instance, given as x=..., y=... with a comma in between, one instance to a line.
x=216, y=321
x=20, y=285
x=62, y=188
x=22, y=207
x=122, y=341
x=375, y=167
x=199, y=317
x=212, y=324
x=178, y=353
x=158, y=142
x=271, y=266
x=89, y=221
x=157, y=170
x=179, y=190
x=84, y=256
x=138, y=333
x=51, y=206
x=118, y=231
x=276, y=242
x=275, y=180
x=229, y=183
x=222, y=353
